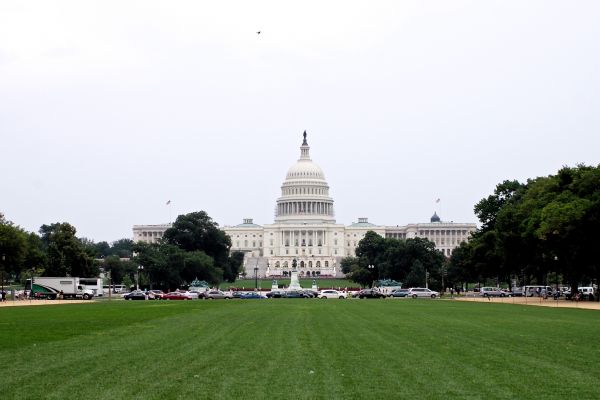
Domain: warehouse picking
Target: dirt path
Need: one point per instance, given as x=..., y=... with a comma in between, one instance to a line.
x=19, y=303
x=535, y=301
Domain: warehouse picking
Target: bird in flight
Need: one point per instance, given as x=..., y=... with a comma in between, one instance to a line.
x=258, y=32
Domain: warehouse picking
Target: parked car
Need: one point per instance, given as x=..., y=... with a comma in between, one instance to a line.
x=135, y=295
x=516, y=292
x=422, y=292
x=399, y=293
x=192, y=295
x=176, y=296
x=155, y=294
x=252, y=295
x=275, y=294
x=370, y=294
x=331, y=294
x=488, y=291
x=217, y=294
x=198, y=295
x=296, y=294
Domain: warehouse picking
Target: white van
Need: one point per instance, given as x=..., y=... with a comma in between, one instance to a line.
x=587, y=292
x=537, y=290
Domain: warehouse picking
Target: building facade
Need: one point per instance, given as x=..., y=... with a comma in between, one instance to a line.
x=305, y=234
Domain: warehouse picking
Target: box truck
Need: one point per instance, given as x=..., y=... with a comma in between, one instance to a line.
x=51, y=287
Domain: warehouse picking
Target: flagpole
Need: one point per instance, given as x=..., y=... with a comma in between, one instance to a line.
x=169, y=205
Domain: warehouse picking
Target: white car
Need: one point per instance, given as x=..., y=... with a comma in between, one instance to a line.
x=422, y=292
x=331, y=294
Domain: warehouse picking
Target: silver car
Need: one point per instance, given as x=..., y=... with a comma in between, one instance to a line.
x=217, y=294
x=422, y=292
x=487, y=291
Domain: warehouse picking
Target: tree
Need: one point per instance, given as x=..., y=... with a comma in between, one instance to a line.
x=13, y=247
x=487, y=209
x=122, y=248
x=396, y=259
x=66, y=254
x=197, y=231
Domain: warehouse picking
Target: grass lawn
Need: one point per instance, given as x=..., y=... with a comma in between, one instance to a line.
x=298, y=349
x=305, y=283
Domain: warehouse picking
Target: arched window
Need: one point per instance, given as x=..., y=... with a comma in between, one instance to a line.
x=318, y=264
x=276, y=264
x=301, y=264
x=310, y=264
x=285, y=264
x=326, y=264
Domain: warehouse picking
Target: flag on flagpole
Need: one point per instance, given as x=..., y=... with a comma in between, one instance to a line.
x=437, y=201
x=168, y=202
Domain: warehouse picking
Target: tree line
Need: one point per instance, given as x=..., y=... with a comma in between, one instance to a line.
x=193, y=248
x=543, y=231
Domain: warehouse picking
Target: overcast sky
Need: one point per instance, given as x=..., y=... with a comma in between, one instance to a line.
x=109, y=109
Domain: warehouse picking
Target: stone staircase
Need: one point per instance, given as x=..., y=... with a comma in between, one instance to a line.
x=252, y=262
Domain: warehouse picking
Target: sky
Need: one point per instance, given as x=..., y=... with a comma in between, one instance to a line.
x=109, y=109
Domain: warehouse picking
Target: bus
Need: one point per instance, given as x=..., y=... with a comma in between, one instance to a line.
x=114, y=289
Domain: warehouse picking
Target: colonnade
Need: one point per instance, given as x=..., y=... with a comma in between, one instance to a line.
x=303, y=237
x=305, y=207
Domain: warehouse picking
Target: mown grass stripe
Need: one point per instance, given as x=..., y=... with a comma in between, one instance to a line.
x=304, y=349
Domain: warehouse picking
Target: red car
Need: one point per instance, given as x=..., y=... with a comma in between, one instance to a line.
x=175, y=296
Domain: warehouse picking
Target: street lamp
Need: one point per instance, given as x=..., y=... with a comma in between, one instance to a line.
x=137, y=277
x=2, y=291
x=371, y=268
x=256, y=276
x=31, y=287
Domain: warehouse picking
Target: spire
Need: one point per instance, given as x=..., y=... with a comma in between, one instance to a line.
x=304, y=149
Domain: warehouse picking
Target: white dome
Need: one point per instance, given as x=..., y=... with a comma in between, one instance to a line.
x=305, y=192
x=305, y=169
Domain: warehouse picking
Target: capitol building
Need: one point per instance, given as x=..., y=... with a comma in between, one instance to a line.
x=305, y=232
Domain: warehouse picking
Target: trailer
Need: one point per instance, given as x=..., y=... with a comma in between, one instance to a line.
x=45, y=287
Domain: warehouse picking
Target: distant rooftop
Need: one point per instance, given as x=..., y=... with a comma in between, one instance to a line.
x=248, y=223
x=362, y=222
